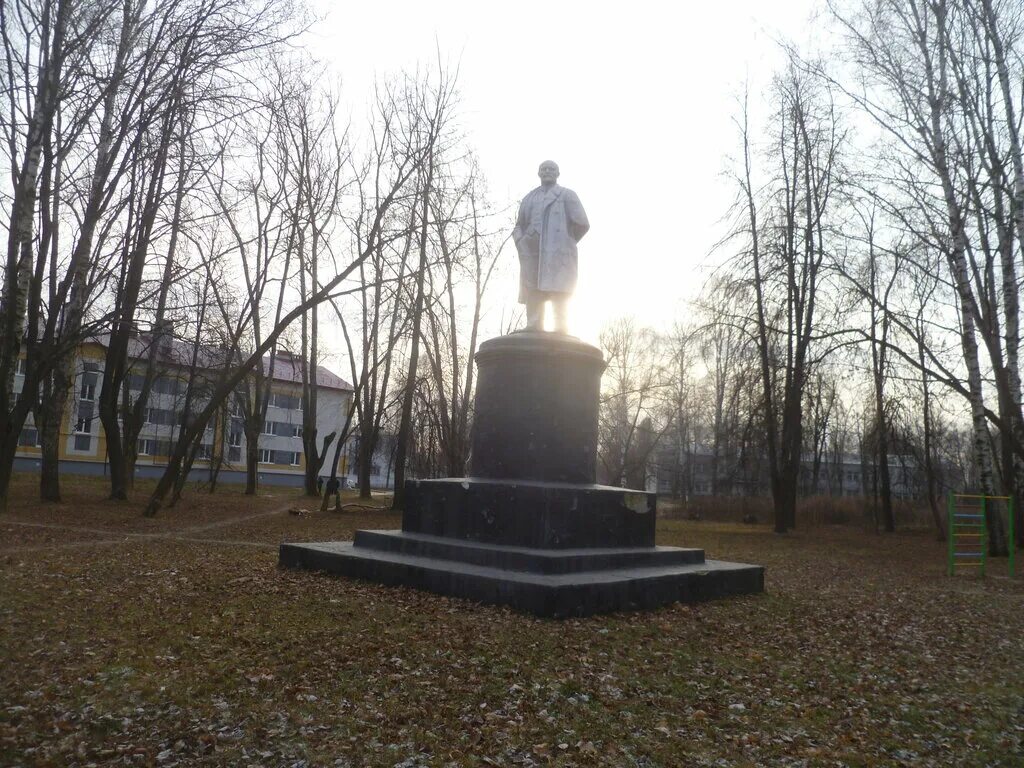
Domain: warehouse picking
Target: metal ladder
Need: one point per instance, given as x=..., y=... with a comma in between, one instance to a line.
x=968, y=531
x=968, y=535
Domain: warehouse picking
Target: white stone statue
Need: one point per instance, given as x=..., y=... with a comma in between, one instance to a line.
x=551, y=221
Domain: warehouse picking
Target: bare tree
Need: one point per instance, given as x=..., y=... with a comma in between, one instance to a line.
x=99, y=134
x=932, y=77
x=821, y=402
x=383, y=318
x=635, y=408
x=434, y=103
x=466, y=257
x=193, y=48
x=45, y=45
x=397, y=157
x=318, y=155
x=786, y=240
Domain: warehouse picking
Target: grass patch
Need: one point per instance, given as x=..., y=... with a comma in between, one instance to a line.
x=177, y=641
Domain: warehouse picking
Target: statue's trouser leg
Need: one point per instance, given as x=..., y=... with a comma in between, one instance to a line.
x=534, y=312
x=560, y=306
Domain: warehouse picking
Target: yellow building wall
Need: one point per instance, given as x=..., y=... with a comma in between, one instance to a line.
x=90, y=352
x=94, y=352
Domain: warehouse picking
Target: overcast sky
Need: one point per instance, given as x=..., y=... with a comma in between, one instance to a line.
x=634, y=101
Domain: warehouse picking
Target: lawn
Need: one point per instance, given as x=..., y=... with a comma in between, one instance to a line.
x=177, y=641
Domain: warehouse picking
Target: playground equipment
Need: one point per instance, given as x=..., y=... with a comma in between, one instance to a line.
x=968, y=532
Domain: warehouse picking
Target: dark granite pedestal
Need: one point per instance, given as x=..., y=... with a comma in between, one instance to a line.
x=529, y=528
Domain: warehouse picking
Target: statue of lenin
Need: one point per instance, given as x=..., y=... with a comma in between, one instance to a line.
x=550, y=222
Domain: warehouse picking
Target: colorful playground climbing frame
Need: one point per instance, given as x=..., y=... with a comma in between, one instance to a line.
x=968, y=530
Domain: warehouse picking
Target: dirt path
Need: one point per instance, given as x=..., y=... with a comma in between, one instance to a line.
x=185, y=534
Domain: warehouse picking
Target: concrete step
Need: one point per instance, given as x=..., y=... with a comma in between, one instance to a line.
x=530, y=559
x=544, y=594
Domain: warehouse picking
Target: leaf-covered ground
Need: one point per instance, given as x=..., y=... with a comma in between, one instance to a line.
x=177, y=641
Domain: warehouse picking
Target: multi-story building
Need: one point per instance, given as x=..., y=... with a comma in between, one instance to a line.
x=83, y=448
x=280, y=442
x=382, y=465
x=688, y=473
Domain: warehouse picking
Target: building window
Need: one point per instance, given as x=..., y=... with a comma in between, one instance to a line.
x=288, y=458
x=235, y=438
x=83, y=442
x=287, y=402
x=205, y=452
x=162, y=416
x=29, y=437
x=281, y=429
x=165, y=385
x=83, y=425
x=234, y=454
x=151, y=447
x=88, y=390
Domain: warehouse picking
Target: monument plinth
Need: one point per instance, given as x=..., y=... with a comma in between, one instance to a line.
x=529, y=527
x=536, y=408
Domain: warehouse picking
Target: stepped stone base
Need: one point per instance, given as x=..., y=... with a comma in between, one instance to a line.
x=530, y=513
x=529, y=528
x=546, y=582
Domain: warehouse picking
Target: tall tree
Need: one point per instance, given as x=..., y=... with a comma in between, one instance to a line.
x=635, y=410
x=435, y=104
x=46, y=48
x=397, y=159
x=787, y=234
x=456, y=284
x=930, y=75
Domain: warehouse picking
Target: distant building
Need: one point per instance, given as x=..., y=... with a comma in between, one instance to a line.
x=83, y=446
x=683, y=471
x=382, y=467
x=689, y=473
x=853, y=476
x=280, y=442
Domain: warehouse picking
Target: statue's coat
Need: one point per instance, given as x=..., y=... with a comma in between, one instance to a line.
x=551, y=221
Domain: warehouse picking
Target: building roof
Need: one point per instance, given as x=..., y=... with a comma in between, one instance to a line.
x=287, y=367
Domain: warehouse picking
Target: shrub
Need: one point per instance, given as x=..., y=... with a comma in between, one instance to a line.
x=829, y=510
x=725, y=509
x=810, y=511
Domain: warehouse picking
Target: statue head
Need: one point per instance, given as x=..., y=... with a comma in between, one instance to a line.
x=548, y=172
